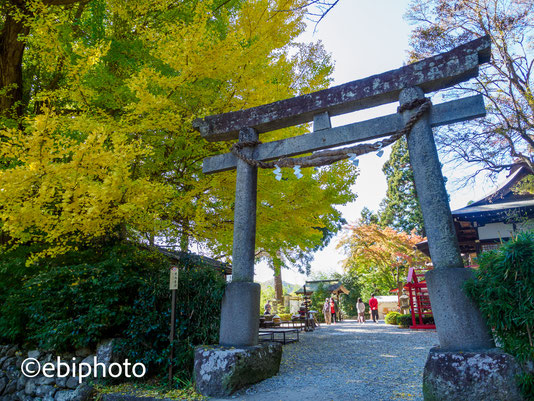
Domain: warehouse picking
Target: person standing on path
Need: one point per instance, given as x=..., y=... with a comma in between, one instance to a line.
x=361, y=311
x=326, y=311
x=373, y=305
x=333, y=310
x=267, y=308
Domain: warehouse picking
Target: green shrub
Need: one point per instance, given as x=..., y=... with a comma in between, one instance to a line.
x=198, y=300
x=13, y=272
x=504, y=292
x=391, y=318
x=404, y=320
x=119, y=291
x=66, y=302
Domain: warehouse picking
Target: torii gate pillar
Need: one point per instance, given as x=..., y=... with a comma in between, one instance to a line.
x=241, y=303
x=466, y=366
x=459, y=323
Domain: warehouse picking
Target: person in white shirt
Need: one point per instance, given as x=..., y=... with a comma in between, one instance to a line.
x=361, y=311
x=326, y=311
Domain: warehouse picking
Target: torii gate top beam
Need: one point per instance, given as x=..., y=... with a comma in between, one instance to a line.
x=441, y=114
x=431, y=74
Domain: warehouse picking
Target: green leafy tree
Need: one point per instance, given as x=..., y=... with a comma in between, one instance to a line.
x=267, y=294
x=351, y=282
x=317, y=300
x=347, y=302
x=400, y=208
x=295, y=217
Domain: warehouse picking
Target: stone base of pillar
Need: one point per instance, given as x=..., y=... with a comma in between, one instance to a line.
x=459, y=323
x=219, y=371
x=471, y=376
x=240, y=315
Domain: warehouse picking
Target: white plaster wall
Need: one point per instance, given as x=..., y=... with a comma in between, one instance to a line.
x=502, y=230
x=495, y=230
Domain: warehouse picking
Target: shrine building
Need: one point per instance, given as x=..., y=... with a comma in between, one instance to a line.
x=484, y=224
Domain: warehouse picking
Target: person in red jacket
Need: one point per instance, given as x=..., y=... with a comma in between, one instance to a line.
x=333, y=310
x=373, y=305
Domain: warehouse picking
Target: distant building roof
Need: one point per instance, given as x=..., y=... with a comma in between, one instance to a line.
x=504, y=192
x=495, y=212
x=181, y=257
x=335, y=287
x=501, y=203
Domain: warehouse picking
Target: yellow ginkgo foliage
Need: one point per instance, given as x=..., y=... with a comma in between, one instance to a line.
x=64, y=191
x=105, y=146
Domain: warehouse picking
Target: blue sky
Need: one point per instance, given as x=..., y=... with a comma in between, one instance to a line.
x=364, y=38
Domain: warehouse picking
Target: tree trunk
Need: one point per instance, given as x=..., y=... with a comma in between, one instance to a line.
x=123, y=232
x=278, y=287
x=184, y=237
x=12, y=45
x=11, y=53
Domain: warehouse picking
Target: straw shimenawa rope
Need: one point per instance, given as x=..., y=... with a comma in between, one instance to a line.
x=327, y=157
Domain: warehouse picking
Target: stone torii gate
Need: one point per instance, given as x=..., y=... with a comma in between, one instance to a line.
x=459, y=323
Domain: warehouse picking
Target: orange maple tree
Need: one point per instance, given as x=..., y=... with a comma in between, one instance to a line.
x=380, y=256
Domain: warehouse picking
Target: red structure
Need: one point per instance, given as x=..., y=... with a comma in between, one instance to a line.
x=419, y=299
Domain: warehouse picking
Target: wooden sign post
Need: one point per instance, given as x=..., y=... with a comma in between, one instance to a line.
x=173, y=286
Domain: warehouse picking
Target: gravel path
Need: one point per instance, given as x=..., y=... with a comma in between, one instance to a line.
x=349, y=361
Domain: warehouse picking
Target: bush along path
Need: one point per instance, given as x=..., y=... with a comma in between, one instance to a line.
x=349, y=361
